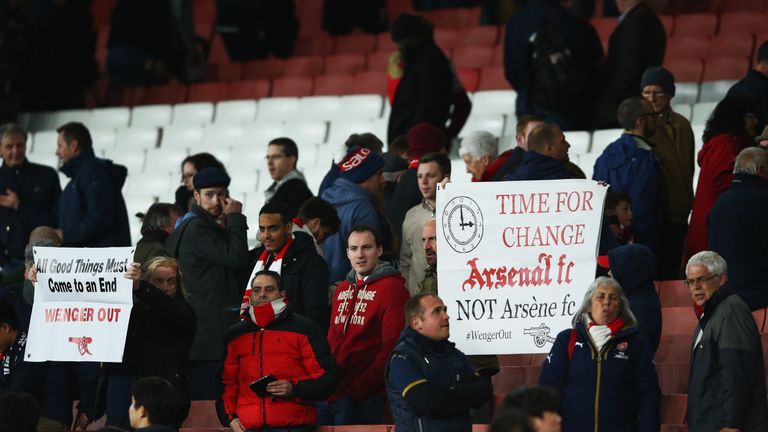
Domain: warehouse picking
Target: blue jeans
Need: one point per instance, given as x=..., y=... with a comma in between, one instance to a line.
x=348, y=411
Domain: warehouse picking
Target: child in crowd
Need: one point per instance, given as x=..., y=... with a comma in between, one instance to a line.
x=154, y=405
x=618, y=211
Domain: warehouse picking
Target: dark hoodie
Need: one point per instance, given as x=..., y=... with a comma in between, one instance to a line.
x=537, y=166
x=92, y=210
x=632, y=266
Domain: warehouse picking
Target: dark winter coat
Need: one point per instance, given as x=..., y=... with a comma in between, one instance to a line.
x=92, y=211
x=726, y=386
x=424, y=93
x=510, y=165
x=632, y=266
x=16, y=375
x=537, y=166
x=213, y=260
x=632, y=170
x=292, y=194
x=39, y=190
x=736, y=231
x=613, y=390
x=639, y=41
x=431, y=385
x=291, y=348
x=150, y=245
x=754, y=87
x=304, y=277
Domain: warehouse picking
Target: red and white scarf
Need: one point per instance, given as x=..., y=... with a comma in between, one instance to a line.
x=602, y=333
x=266, y=314
x=261, y=264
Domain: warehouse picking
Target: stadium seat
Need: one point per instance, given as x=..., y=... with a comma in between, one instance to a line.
x=668, y=22
x=701, y=113
x=309, y=13
x=204, y=30
x=103, y=139
x=532, y=375
x=109, y=118
x=674, y=348
x=307, y=156
x=102, y=13
x=307, y=132
x=332, y=84
x=302, y=67
x=714, y=91
x=198, y=113
x=486, y=35
x=472, y=56
x=514, y=360
x=278, y=109
x=684, y=109
x=319, y=107
x=743, y=5
x=686, y=47
x=43, y=144
x=469, y=77
x=379, y=61
x=493, y=101
x=673, y=408
x=207, y=92
x=364, y=106
x=604, y=26
x=118, y=96
x=731, y=45
x=678, y=320
x=187, y=136
x=602, y=138
x=204, y=10
x=673, y=377
x=447, y=39
x=235, y=112
x=202, y=414
x=151, y=115
x=254, y=139
x=344, y=63
x=156, y=185
x=223, y=135
x=674, y=293
x=687, y=74
x=579, y=140
x=292, y=87
x=760, y=318
x=131, y=158
x=52, y=120
x=508, y=379
x=452, y=18
x=746, y=23
x=385, y=43
x=165, y=160
x=587, y=163
x=263, y=69
x=493, y=123
x=370, y=82
x=248, y=89
x=696, y=25
x=354, y=44
x=492, y=78
x=137, y=137
x=164, y=94
x=318, y=45
x=339, y=130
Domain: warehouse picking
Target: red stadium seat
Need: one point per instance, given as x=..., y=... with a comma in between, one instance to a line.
x=202, y=414
x=318, y=45
x=498, y=55
x=292, y=87
x=218, y=52
x=673, y=377
x=475, y=13
x=743, y=6
x=742, y=23
x=515, y=360
x=674, y=293
x=165, y=94
x=449, y=18
x=469, y=77
x=330, y=85
x=208, y=92
x=724, y=68
x=204, y=29
x=674, y=349
x=687, y=47
x=673, y=408
x=344, y=63
x=204, y=10
x=310, y=13
x=472, y=56
x=668, y=22
x=761, y=39
x=508, y=379
x=263, y=69
x=303, y=66
x=119, y=96
x=384, y=42
x=604, y=26
x=396, y=7
x=538, y=359
x=479, y=36
x=252, y=89
x=379, y=60
x=492, y=78
x=532, y=375
x=447, y=39
x=699, y=24
x=102, y=13
x=224, y=72
x=760, y=318
x=370, y=82
x=678, y=320
x=354, y=44
x=731, y=45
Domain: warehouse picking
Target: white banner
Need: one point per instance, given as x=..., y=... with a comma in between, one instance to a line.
x=82, y=304
x=515, y=259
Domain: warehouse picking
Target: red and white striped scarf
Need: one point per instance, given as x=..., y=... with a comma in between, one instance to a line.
x=266, y=314
x=261, y=264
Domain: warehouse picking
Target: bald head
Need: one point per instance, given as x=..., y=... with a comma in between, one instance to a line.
x=44, y=233
x=752, y=160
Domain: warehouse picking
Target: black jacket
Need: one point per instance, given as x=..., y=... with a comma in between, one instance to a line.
x=754, y=87
x=736, y=231
x=304, y=276
x=39, y=190
x=536, y=166
x=424, y=93
x=212, y=260
x=92, y=211
x=292, y=194
x=638, y=42
x=150, y=245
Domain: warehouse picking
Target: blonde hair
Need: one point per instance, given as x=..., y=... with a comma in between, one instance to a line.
x=162, y=261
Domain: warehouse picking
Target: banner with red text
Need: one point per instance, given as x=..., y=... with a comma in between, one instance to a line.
x=82, y=304
x=515, y=259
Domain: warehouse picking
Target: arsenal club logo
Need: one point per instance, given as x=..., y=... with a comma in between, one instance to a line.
x=463, y=225
x=82, y=344
x=622, y=346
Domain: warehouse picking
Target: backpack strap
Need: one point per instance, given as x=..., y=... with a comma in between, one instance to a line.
x=572, y=343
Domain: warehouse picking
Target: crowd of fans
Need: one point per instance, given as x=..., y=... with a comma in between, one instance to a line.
x=335, y=317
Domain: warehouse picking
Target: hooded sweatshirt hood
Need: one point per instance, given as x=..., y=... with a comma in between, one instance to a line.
x=633, y=266
x=344, y=191
x=384, y=269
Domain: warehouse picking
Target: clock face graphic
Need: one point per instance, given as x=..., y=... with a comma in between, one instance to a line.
x=462, y=224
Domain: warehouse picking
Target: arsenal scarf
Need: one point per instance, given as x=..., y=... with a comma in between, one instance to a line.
x=261, y=264
x=266, y=314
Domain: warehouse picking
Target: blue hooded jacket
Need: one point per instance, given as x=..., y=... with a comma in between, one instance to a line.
x=355, y=206
x=537, y=166
x=632, y=266
x=633, y=171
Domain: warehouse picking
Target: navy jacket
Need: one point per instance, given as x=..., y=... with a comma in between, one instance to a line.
x=615, y=390
x=754, y=87
x=736, y=231
x=633, y=171
x=431, y=385
x=632, y=266
x=537, y=166
x=92, y=211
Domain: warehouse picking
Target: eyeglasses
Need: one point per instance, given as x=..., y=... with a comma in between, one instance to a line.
x=273, y=157
x=699, y=280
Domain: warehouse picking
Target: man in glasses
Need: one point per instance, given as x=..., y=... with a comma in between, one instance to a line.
x=629, y=166
x=726, y=386
x=289, y=187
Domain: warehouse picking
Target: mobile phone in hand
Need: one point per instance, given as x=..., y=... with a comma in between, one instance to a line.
x=260, y=385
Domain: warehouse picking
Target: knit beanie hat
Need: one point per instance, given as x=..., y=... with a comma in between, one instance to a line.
x=360, y=164
x=210, y=177
x=425, y=138
x=657, y=75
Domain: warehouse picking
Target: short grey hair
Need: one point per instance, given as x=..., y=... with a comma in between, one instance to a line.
x=478, y=144
x=29, y=256
x=13, y=129
x=624, y=311
x=750, y=161
x=714, y=263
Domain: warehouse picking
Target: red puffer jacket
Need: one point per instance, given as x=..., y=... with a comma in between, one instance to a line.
x=291, y=348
